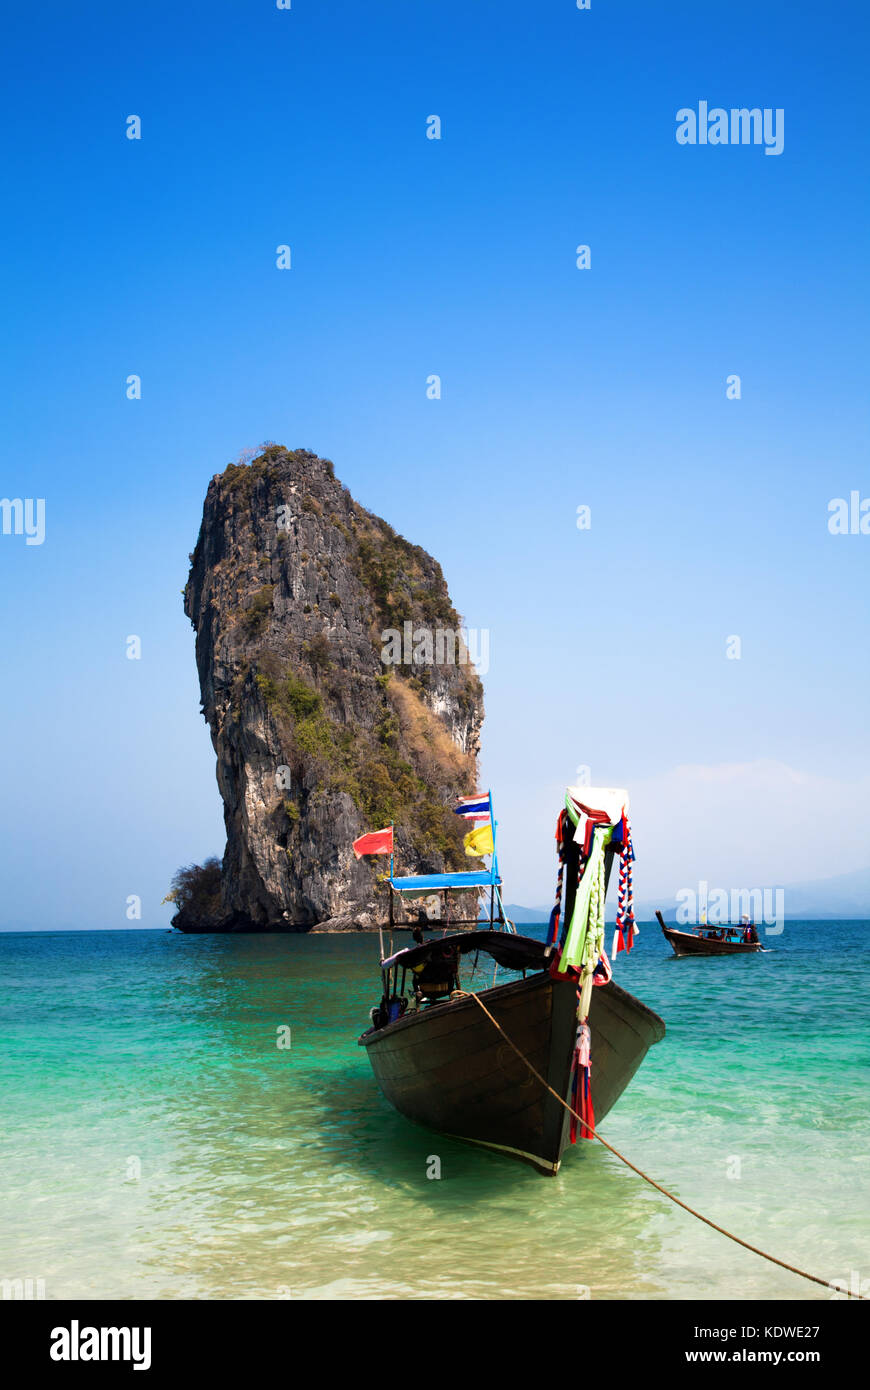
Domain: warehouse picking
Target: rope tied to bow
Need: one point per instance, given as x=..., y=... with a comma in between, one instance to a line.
x=593, y=1134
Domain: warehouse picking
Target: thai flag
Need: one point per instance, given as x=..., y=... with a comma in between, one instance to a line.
x=475, y=808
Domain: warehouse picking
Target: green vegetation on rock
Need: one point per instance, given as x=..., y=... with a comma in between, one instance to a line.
x=369, y=765
x=258, y=610
x=196, y=891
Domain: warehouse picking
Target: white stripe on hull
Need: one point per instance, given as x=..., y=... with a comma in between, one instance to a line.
x=543, y=1164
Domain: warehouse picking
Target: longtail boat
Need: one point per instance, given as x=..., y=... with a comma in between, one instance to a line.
x=706, y=940
x=443, y=1062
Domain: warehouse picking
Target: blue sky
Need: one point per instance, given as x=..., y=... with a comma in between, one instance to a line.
x=561, y=387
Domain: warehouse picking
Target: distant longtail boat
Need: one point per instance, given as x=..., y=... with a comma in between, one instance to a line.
x=706, y=940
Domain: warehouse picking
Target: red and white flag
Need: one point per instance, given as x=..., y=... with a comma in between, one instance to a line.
x=477, y=808
x=377, y=842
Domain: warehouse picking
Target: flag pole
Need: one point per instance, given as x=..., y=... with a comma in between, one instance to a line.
x=493, y=822
x=392, y=839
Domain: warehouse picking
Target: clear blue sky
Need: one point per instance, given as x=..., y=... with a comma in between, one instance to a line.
x=560, y=387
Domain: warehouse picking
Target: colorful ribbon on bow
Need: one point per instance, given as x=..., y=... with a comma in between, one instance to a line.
x=556, y=913
x=626, y=929
x=581, y=1089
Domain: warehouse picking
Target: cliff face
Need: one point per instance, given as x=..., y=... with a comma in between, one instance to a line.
x=318, y=739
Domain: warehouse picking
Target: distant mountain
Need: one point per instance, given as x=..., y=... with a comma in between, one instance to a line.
x=516, y=913
x=847, y=895
x=844, y=896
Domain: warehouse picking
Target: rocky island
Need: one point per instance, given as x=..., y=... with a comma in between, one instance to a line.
x=320, y=732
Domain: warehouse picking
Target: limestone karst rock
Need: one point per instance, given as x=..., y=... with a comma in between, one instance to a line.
x=291, y=586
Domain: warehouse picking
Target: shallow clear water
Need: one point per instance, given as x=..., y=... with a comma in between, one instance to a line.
x=156, y=1143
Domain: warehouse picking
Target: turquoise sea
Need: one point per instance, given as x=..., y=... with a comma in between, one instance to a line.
x=157, y=1143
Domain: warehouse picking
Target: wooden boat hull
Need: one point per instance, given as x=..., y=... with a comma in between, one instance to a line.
x=448, y=1068
x=686, y=944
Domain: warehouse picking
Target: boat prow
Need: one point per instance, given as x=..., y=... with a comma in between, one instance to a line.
x=554, y=1047
x=449, y=1068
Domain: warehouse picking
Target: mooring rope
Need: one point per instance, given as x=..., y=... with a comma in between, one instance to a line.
x=792, y=1269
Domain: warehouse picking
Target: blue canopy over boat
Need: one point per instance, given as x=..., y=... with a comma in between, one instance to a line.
x=431, y=883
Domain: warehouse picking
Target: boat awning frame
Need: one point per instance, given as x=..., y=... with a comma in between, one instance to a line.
x=508, y=949
x=439, y=883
